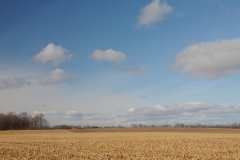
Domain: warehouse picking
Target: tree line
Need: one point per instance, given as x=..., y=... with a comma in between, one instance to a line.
x=182, y=125
x=177, y=125
x=22, y=121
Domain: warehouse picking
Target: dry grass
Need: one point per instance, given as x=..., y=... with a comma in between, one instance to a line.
x=123, y=143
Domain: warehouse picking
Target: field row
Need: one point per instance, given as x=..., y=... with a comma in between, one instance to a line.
x=61, y=144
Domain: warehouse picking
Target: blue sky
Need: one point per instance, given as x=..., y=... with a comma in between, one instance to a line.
x=119, y=62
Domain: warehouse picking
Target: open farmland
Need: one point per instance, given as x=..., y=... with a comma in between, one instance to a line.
x=125, y=143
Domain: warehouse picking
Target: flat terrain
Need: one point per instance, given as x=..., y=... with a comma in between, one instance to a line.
x=123, y=143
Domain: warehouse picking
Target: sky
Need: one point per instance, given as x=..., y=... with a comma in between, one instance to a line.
x=116, y=63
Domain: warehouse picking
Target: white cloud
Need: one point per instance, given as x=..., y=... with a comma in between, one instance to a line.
x=74, y=114
x=116, y=56
x=171, y=109
x=108, y=55
x=210, y=59
x=46, y=112
x=57, y=76
x=131, y=110
x=141, y=69
x=154, y=12
x=71, y=114
x=53, y=53
x=15, y=82
x=190, y=113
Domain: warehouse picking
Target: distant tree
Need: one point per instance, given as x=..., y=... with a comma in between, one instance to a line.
x=12, y=121
x=2, y=121
x=39, y=122
x=25, y=120
x=133, y=125
x=179, y=125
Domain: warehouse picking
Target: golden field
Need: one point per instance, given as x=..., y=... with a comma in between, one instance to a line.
x=122, y=143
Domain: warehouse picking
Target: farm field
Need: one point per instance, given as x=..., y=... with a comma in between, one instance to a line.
x=121, y=143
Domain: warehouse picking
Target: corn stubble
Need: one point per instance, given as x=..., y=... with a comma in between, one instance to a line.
x=62, y=144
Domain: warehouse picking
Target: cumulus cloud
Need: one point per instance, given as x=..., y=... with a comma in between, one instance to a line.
x=52, y=53
x=108, y=55
x=15, y=82
x=141, y=69
x=192, y=112
x=188, y=113
x=154, y=12
x=210, y=59
x=57, y=76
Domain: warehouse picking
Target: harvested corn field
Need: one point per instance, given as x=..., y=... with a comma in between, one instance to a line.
x=121, y=144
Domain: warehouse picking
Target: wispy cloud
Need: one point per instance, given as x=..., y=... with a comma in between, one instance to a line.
x=108, y=55
x=210, y=59
x=141, y=69
x=222, y=6
x=15, y=82
x=74, y=114
x=52, y=53
x=179, y=14
x=46, y=112
x=91, y=118
x=57, y=76
x=154, y=12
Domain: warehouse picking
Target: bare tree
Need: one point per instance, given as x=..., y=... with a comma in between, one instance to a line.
x=39, y=122
x=25, y=120
x=2, y=121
